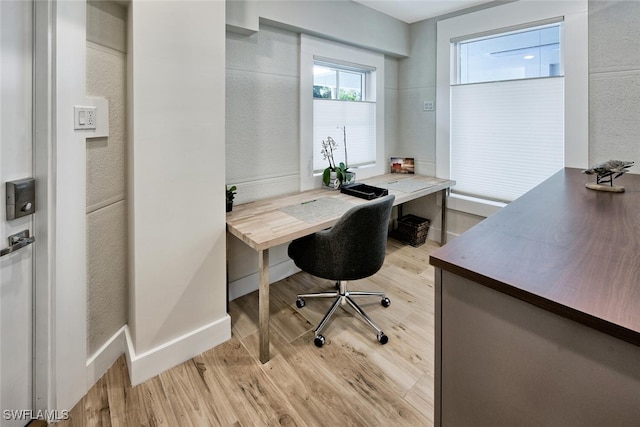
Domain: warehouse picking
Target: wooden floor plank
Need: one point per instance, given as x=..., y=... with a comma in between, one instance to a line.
x=96, y=405
x=189, y=395
x=118, y=385
x=353, y=380
x=250, y=390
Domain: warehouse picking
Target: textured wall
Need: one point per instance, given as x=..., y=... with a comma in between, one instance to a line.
x=262, y=104
x=417, y=80
x=106, y=176
x=614, y=81
x=262, y=126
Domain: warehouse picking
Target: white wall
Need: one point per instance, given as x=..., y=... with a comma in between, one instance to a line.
x=177, y=300
x=341, y=20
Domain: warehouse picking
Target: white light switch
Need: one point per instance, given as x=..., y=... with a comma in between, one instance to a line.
x=428, y=106
x=84, y=117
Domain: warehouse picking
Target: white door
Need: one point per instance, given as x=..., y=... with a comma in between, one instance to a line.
x=16, y=158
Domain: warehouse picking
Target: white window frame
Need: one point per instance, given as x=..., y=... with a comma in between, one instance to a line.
x=313, y=48
x=575, y=70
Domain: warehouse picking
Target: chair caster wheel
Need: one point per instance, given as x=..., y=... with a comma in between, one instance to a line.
x=319, y=341
x=386, y=302
x=300, y=303
x=382, y=338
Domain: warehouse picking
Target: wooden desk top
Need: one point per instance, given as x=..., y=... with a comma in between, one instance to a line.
x=564, y=248
x=261, y=224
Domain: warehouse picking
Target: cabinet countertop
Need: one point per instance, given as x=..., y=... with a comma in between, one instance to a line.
x=564, y=248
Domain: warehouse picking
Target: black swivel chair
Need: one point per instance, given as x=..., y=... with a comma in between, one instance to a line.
x=354, y=248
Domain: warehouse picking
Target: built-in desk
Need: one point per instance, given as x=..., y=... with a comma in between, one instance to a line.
x=538, y=311
x=268, y=223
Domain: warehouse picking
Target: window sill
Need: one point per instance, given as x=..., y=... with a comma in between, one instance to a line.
x=473, y=205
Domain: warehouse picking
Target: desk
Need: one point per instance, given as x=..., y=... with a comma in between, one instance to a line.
x=538, y=311
x=263, y=225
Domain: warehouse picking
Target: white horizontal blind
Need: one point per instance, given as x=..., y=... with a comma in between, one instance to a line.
x=506, y=137
x=359, y=118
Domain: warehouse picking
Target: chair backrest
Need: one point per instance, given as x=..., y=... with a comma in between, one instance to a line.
x=358, y=240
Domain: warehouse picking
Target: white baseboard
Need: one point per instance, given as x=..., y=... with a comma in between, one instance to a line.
x=164, y=357
x=157, y=360
x=104, y=358
x=434, y=234
x=250, y=283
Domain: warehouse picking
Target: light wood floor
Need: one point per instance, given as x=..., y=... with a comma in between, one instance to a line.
x=352, y=381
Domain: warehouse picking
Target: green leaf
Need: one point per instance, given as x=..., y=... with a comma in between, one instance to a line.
x=326, y=175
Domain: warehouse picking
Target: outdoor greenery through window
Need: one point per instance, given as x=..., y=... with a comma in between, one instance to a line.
x=330, y=82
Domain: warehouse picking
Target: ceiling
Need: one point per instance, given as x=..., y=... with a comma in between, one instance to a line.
x=411, y=11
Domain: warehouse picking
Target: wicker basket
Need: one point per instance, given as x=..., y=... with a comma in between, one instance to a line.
x=412, y=230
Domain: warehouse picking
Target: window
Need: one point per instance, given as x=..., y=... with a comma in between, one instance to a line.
x=507, y=113
x=524, y=54
x=330, y=81
x=341, y=109
x=341, y=87
x=512, y=89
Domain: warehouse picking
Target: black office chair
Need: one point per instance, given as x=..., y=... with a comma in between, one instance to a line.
x=354, y=248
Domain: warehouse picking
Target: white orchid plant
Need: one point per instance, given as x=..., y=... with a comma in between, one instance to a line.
x=328, y=147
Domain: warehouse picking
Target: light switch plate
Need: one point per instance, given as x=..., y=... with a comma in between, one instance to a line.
x=84, y=117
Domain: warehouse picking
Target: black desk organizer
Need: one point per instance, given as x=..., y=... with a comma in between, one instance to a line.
x=364, y=191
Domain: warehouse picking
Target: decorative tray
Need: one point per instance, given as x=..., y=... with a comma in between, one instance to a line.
x=364, y=191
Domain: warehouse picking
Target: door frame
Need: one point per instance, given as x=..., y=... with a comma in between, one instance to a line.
x=43, y=119
x=60, y=304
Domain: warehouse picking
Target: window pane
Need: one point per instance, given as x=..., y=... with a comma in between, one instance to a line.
x=521, y=55
x=324, y=82
x=350, y=86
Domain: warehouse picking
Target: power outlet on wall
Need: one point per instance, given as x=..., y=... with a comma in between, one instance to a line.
x=428, y=106
x=84, y=117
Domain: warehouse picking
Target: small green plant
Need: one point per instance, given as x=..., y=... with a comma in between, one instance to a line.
x=231, y=193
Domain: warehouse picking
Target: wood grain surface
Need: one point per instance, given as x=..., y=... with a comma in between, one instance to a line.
x=351, y=381
x=564, y=248
x=262, y=225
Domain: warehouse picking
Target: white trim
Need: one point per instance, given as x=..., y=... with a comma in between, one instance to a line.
x=576, y=72
x=68, y=194
x=164, y=357
x=250, y=283
x=100, y=362
x=473, y=205
x=311, y=47
x=147, y=365
x=44, y=220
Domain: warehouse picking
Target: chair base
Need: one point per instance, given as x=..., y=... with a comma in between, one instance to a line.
x=343, y=296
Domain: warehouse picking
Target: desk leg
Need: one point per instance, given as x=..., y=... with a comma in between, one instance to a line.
x=443, y=227
x=263, y=296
